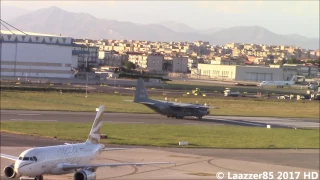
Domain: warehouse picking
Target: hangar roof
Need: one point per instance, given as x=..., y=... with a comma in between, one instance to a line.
x=29, y=33
x=31, y=37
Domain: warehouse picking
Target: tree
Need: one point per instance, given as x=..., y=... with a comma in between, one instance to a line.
x=129, y=65
x=292, y=61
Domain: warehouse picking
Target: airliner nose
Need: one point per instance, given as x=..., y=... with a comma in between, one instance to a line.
x=22, y=168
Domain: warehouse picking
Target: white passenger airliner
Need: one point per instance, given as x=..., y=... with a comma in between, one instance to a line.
x=64, y=159
x=280, y=84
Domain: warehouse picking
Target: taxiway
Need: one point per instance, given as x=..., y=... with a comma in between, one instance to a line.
x=191, y=163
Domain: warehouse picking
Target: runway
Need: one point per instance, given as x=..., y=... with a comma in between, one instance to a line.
x=191, y=163
x=132, y=118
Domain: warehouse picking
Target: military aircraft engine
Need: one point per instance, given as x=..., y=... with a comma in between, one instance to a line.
x=9, y=172
x=204, y=111
x=84, y=175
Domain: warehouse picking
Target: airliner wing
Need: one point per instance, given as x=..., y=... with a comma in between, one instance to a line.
x=114, y=149
x=6, y=156
x=66, y=167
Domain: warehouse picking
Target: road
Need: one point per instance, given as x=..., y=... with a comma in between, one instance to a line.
x=56, y=116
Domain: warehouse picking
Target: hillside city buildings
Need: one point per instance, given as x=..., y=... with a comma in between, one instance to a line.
x=40, y=55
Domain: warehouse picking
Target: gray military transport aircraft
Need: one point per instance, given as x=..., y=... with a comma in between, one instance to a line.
x=170, y=109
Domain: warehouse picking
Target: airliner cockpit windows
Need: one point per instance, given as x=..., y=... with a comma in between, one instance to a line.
x=28, y=158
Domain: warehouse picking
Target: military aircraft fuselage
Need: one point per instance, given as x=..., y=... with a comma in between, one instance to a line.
x=166, y=108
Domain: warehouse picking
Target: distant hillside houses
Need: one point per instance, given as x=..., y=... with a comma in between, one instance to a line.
x=186, y=57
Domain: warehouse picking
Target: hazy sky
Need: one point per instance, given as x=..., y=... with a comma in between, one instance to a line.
x=282, y=17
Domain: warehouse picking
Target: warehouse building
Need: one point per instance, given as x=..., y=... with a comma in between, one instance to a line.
x=239, y=73
x=180, y=64
x=37, y=55
x=151, y=62
x=290, y=70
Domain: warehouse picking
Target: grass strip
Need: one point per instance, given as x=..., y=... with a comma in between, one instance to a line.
x=170, y=135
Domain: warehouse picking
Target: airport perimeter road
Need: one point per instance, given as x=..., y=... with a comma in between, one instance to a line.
x=132, y=118
x=191, y=163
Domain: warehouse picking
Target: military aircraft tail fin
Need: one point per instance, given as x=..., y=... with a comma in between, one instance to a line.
x=141, y=94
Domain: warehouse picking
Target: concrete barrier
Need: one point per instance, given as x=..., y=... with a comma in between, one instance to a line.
x=183, y=143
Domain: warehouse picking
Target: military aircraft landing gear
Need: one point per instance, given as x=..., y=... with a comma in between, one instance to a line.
x=179, y=117
x=200, y=117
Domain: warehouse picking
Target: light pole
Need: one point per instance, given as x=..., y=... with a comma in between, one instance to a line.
x=87, y=86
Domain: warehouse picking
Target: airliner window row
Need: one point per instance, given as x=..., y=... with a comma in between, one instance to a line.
x=28, y=158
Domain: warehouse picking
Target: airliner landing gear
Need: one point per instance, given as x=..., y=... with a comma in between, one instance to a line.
x=38, y=178
x=29, y=178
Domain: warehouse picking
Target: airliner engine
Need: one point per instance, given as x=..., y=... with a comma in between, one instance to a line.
x=84, y=175
x=9, y=172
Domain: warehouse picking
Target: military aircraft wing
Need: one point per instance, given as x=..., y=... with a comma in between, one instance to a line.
x=195, y=106
x=150, y=103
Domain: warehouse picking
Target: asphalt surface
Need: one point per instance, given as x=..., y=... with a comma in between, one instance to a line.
x=300, y=158
x=192, y=163
x=130, y=118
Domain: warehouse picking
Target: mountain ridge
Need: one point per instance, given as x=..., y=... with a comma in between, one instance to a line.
x=54, y=20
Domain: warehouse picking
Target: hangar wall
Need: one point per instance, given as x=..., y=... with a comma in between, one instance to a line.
x=240, y=73
x=36, y=55
x=256, y=73
x=36, y=60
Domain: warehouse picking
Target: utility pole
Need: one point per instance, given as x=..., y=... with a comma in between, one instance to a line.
x=87, y=73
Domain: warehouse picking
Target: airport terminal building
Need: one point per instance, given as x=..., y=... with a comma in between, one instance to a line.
x=36, y=55
x=239, y=73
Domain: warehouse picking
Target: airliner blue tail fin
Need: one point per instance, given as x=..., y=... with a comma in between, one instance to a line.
x=293, y=78
x=94, y=136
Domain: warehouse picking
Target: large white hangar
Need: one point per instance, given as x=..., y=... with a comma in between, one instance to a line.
x=240, y=73
x=36, y=55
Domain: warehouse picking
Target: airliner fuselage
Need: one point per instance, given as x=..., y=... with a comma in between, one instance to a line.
x=46, y=160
